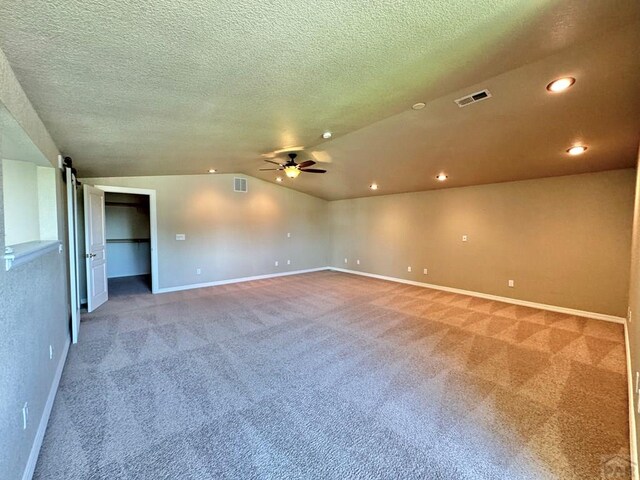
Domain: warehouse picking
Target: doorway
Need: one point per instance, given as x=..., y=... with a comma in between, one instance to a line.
x=131, y=238
x=128, y=236
x=150, y=215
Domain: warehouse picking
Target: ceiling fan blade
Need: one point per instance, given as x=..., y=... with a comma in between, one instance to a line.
x=269, y=169
x=306, y=164
x=313, y=170
x=271, y=161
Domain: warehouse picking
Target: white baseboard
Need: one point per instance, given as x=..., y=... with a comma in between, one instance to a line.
x=514, y=301
x=237, y=280
x=44, y=420
x=633, y=439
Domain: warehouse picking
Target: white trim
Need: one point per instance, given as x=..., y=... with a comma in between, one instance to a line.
x=633, y=439
x=238, y=280
x=514, y=301
x=44, y=420
x=153, y=226
x=72, y=244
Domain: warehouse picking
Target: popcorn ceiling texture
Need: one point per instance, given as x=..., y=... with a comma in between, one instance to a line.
x=20, y=108
x=166, y=87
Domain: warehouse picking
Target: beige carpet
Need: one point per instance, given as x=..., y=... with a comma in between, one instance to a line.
x=329, y=375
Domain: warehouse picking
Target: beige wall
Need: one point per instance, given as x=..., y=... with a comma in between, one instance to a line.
x=228, y=234
x=564, y=240
x=19, y=194
x=633, y=323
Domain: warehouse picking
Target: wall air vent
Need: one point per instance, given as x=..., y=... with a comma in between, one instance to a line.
x=473, y=98
x=239, y=184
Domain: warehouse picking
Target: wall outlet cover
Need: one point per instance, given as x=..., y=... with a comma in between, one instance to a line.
x=181, y=236
x=425, y=271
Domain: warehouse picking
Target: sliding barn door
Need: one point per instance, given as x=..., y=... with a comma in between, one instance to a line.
x=95, y=247
x=72, y=241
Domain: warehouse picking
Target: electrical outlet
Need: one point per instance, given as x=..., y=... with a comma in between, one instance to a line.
x=408, y=269
x=288, y=262
x=465, y=238
x=288, y=234
x=358, y=262
x=276, y=263
x=25, y=415
x=345, y=260
x=425, y=271
x=198, y=271
x=181, y=236
x=50, y=352
x=511, y=283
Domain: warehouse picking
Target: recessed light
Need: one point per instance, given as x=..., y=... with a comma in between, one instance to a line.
x=441, y=177
x=279, y=179
x=327, y=135
x=373, y=186
x=577, y=150
x=419, y=106
x=212, y=170
x=561, y=84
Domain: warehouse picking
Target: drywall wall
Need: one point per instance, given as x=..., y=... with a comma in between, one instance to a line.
x=633, y=321
x=565, y=241
x=20, y=199
x=29, y=197
x=127, y=225
x=231, y=234
x=34, y=311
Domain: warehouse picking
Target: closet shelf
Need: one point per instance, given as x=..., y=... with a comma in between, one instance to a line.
x=128, y=240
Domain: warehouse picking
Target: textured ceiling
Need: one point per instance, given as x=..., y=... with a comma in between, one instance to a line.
x=176, y=87
x=16, y=144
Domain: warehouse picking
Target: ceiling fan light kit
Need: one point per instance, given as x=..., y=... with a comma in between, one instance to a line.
x=292, y=169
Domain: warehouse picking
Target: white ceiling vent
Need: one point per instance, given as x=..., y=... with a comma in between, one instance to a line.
x=239, y=184
x=473, y=98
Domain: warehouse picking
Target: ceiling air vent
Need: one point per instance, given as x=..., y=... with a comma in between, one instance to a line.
x=239, y=184
x=473, y=98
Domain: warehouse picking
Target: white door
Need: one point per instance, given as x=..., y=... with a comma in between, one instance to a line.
x=72, y=212
x=95, y=247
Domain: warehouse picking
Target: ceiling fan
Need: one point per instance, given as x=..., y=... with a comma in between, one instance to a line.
x=291, y=168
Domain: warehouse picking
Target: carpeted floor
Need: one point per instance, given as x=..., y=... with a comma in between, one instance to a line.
x=329, y=375
x=126, y=286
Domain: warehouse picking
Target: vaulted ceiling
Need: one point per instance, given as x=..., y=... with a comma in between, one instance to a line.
x=180, y=86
